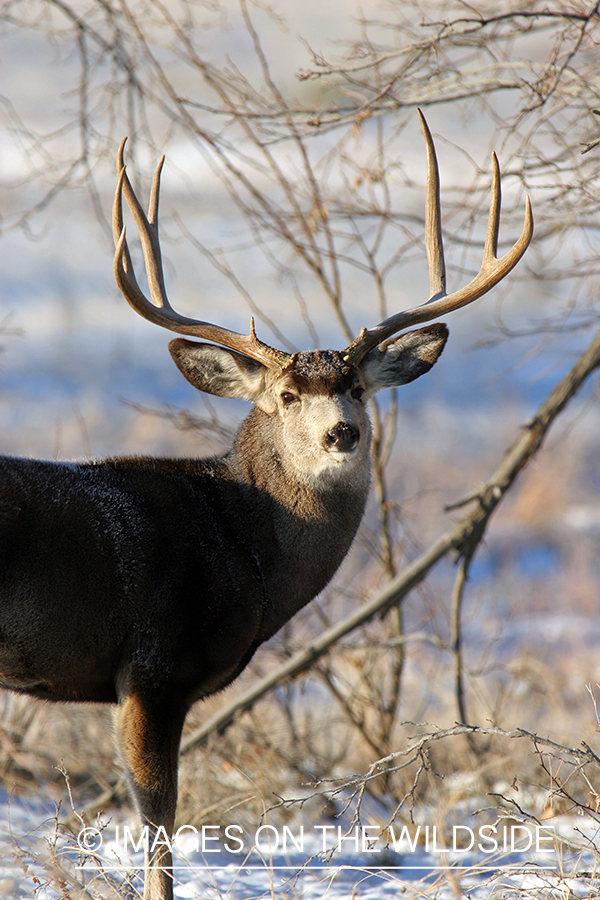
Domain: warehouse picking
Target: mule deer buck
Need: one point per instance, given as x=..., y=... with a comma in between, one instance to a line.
x=150, y=583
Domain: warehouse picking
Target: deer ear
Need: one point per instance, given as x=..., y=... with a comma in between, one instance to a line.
x=216, y=370
x=402, y=360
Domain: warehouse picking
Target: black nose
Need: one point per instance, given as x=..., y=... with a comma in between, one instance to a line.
x=342, y=437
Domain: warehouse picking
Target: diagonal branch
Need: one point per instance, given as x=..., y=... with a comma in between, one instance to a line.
x=464, y=537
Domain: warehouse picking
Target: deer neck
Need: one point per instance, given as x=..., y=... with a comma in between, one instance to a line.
x=305, y=525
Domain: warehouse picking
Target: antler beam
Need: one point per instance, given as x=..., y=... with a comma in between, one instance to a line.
x=492, y=270
x=160, y=311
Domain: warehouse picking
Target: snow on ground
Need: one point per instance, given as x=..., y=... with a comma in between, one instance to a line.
x=288, y=862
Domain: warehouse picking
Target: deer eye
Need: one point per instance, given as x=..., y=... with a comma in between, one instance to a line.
x=288, y=398
x=357, y=393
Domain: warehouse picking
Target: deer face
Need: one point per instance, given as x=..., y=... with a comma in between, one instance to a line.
x=325, y=430
x=317, y=401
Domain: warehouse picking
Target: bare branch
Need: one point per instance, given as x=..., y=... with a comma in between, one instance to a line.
x=463, y=537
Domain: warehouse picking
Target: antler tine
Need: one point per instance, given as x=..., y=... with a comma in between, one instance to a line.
x=434, y=245
x=160, y=311
x=492, y=270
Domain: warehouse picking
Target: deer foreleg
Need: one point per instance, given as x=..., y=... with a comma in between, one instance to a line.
x=149, y=734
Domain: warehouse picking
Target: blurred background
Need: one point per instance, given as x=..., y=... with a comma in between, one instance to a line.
x=293, y=191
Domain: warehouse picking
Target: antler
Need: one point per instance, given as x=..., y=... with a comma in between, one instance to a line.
x=160, y=311
x=491, y=272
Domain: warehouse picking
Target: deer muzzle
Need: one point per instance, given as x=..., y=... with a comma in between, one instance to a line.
x=342, y=438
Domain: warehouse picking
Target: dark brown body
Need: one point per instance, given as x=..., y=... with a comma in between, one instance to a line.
x=116, y=591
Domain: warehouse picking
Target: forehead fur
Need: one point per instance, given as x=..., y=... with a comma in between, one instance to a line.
x=320, y=372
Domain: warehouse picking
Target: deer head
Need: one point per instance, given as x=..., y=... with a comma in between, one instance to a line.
x=325, y=391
